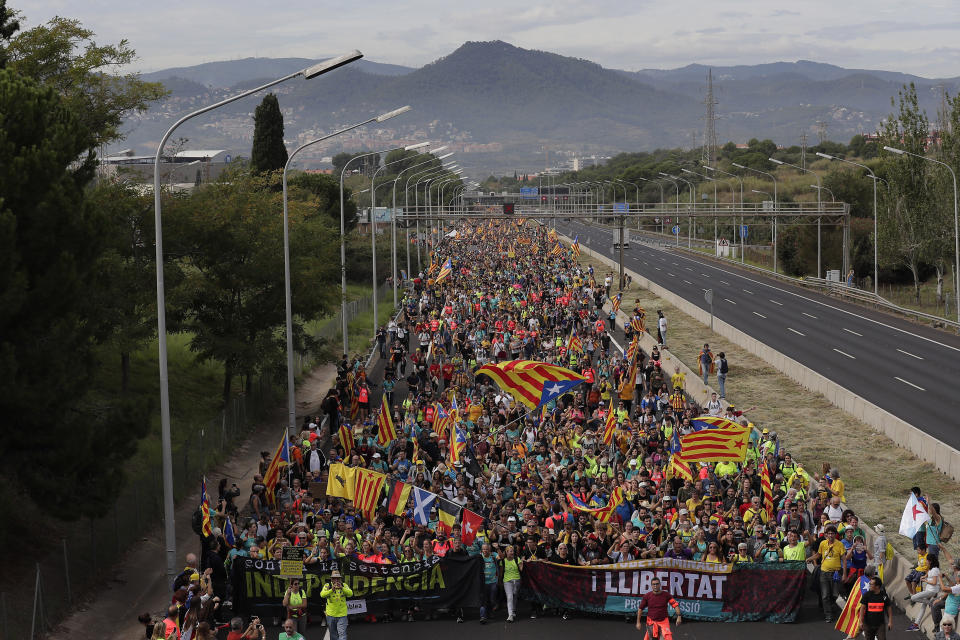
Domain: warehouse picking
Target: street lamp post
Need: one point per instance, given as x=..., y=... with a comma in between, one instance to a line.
x=676, y=186
x=291, y=390
x=740, y=230
x=170, y=534
x=956, y=222
x=706, y=177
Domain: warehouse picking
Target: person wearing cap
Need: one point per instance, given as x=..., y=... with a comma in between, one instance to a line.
x=830, y=555
x=336, y=593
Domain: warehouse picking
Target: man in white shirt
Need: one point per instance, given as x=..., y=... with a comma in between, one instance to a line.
x=714, y=408
x=315, y=459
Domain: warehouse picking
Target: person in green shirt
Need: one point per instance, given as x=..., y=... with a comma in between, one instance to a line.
x=290, y=631
x=796, y=549
x=336, y=594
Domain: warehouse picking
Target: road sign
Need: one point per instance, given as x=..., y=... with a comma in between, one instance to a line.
x=621, y=207
x=676, y=229
x=291, y=562
x=743, y=231
x=528, y=193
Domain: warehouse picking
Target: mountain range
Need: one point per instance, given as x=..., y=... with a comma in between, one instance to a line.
x=507, y=108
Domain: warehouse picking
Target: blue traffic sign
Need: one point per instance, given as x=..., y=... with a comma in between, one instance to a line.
x=743, y=231
x=676, y=229
x=528, y=192
x=621, y=207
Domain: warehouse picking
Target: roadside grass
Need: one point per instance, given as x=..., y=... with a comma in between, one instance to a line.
x=876, y=472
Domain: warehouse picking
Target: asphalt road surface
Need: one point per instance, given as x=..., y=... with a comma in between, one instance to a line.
x=809, y=625
x=907, y=369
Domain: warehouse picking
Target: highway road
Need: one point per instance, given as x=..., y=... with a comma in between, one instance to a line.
x=907, y=369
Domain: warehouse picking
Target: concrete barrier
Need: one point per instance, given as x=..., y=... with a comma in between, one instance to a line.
x=902, y=433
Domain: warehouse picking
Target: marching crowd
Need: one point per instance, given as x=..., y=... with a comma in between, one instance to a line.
x=511, y=294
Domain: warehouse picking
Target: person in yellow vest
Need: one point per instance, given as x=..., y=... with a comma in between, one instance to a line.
x=336, y=594
x=295, y=602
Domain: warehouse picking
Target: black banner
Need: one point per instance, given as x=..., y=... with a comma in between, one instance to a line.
x=439, y=583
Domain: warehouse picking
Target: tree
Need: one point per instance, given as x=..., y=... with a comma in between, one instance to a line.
x=905, y=232
x=268, y=153
x=9, y=25
x=51, y=242
x=949, y=153
x=403, y=158
x=63, y=55
x=323, y=192
x=233, y=287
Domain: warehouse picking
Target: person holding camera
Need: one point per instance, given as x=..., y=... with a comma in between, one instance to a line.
x=295, y=602
x=254, y=630
x=336, y=594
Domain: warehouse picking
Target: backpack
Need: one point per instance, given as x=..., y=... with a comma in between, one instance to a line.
x=724, y=367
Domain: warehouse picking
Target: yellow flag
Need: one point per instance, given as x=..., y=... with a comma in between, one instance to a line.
x=342, y=481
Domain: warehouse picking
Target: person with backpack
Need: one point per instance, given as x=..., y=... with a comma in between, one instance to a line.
x=723, y=368
x=295, y=603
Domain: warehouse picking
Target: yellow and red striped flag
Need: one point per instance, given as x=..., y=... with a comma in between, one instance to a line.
x=386, y=432
x=714, y=445
x=576, y=246
x=346, y=440
x=637, y=324
x=557, y=250
x=532, y=383
x=633, y=348
x=617, y=299
x=849, y=620
x=444, y=272
x=767, y=489
x=575, y=344
x=366, y=497
x=205, y=509
x=609, y=426
x=281, y=458
x=679, y=468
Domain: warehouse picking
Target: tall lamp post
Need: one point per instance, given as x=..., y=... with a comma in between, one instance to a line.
x=291, y=389
x=876, y=238
x=676, y=186
x=956, y=223
x=819, y=202
x=740, y=230
x=170, y=534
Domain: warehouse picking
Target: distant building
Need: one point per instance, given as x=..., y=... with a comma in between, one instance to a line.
x=189, y=166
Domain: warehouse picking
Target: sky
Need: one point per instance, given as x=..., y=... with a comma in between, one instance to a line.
x=921, y=37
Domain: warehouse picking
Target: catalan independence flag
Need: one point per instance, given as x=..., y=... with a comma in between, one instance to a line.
x=281, y=458
x=444, y=272
x=531, y=383
x=679, y=468
x=716, y=445
x=849, y=620
x=713, y=422
x=600, y=513
x=557, y=250
x=767, y=489
x=633, y=348
x=575, y=345
x=637, y=324
x=386, y=433
x=609, y=426
x=366, y=496
x=576, y=246
x=616, y=301
x=205, y=508
x=346, y=439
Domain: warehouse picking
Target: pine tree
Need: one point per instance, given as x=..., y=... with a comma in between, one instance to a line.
x=269, y=153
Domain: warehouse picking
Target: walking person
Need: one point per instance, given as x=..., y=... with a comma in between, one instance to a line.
x=491, y=576
x=510, y=569
x=706, y=362
x=336, y=594
x=295, y=603
x=875, y=610
x=658, y=615
x=723, y=368
x=661, y=329
x=830, y=554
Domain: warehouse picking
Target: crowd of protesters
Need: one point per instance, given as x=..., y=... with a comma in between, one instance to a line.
x=511, y=295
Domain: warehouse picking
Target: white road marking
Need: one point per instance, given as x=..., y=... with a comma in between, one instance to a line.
x=908, y=382
x=853, y=332
x=777, y=303
x=688, y=282
x=704, y=275
x=760, y=314
x=907, y=353
x=843, y=353
x=809, y=316
x=658, y=268
x=688, y=268
x=725, y=282
x=748, y=291
x=796, y=332
x=675, y=264
x=824, y=304
x=672, y=275
x=730, y=301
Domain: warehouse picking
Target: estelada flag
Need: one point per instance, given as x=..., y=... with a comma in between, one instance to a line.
x=849, y=620
x=397, y=500
x=448, y=512
x=715, y=445
x=206, y=527
x=341, y=483
x=616, y=300
x=679, y=468
x=576, y=246
x=767, y=489
x=470, y=525
x=386, y=432
x=532, y=383
x=366, y=498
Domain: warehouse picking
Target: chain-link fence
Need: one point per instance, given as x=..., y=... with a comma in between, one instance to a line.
x=65, y=576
